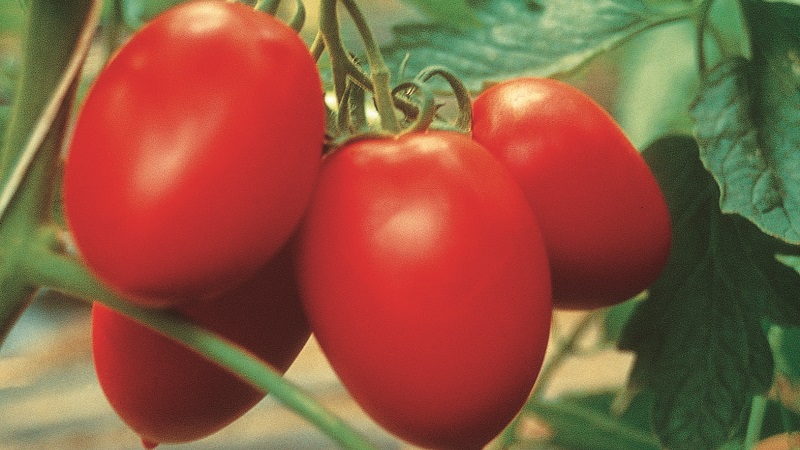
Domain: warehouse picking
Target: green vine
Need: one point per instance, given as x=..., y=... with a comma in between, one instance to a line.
x=64, y=274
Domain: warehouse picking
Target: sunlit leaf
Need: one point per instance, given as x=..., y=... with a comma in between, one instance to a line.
x=747, y=120
x=523, y=37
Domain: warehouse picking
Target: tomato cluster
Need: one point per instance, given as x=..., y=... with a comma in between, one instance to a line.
x=193, y=157
x=426, y=264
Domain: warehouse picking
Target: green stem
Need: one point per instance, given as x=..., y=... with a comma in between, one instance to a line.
x=463, y=122
x=563, y=350
x=299, y=17
x=317, y=47
x=702, y=24
x=342, y=66
x=425, y=111
x=45, y=89
x=268, y=6
x=758, y=410
x=58, y=36
x=572, y=424
x=114, y=27
x=379, y=72
x=67, y=275
x=378, y=81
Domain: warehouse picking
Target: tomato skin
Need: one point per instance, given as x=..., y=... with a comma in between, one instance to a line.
x=167, y=393
x=425, y=280
x=195, y=153
x=602, y=214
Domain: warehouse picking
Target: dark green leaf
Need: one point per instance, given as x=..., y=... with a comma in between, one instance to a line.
x=699, y=343
x=523, y=37
x=451, y=13
x=747, y=120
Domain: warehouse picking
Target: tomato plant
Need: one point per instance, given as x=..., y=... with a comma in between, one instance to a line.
x=603, y=217
x=194, y=153
x=166, y=392
x=425, y=280
x=424, y=320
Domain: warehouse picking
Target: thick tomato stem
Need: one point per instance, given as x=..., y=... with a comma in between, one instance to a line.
x=343, y=66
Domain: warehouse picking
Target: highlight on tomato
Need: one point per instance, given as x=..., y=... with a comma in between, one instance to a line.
x=426, y=283
x=604, y=219
x=195, y=153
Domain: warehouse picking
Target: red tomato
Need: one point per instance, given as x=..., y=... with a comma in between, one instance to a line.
x=195, y=153
x=425, y=280
x=166, y=392
x=603, y=217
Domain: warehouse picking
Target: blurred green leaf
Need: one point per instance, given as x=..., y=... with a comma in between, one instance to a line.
x=12, y=16
x=698, y=338
x=523, y=37
x=451, y=13
x=746, y=121
x=617, y=316
x=657, y=84
x=9, y=70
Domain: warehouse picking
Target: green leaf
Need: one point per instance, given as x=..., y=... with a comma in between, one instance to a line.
x=451, y=13
x=523, y=37
x=699, y=343
x=652, y=102
x=747, y=119
x=12, y=16
x=617, y=316
x=8, y=76
x=795, y=2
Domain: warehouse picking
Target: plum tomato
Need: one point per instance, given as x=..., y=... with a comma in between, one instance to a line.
x=195, y=153
x=604, y=219
x=166, y=392
x=425, y=280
